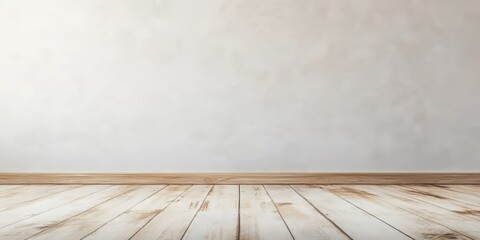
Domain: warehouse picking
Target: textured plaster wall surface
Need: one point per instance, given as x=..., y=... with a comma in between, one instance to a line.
x=239, y=85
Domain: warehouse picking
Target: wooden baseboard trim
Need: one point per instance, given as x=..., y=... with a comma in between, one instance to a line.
x=239, y=178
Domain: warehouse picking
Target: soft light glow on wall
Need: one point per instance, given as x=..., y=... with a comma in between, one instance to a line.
x=220, y=85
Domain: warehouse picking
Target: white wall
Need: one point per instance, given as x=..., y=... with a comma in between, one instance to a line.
x=239, y=85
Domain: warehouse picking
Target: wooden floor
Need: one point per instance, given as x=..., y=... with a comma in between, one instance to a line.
x=239, y=212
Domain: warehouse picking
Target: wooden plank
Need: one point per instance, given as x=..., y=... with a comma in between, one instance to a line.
x=127, y=224
x=36, y=207
x=446, y=193
x=303, y=220
x=355, y=222
x=36, y=224
x=85, y=223
x=28, y=189
x=217, y=218
x=172, y=222
x=302, y=178
x=8, y=187
x=259, y=218
x=454, y=222
x=473, y=190
x=463, y=208
x=21, y=196
x=411, y=224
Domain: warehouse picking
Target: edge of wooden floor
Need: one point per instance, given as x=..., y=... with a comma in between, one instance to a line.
x=240, y=178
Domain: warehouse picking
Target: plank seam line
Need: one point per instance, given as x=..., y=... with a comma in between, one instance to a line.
x=453, y=199
x=17, y=187
x=369, y=213
x=179, y=195
x=14, y=205
x=430, y=220
x=238, y=214
x=86, y=210
x=194, y=216
x=279, y=213
x=333, y=223
x=433, y=204
x=62, y=204
x=473, y=194
x=124, y=212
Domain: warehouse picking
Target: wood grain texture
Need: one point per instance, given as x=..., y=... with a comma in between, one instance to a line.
x=242, y=212
x=413, y=225
x=217, y=218
x=34, y=192
x=428, y=196
x=21, y=196
x=13, y=215
x=7, y=187
x=87, y=222
x=302, y=178
x=173, y=222
x=259, y=218
x=447, y=193
x=457, y=222
x=303, y=220
x=127, y=224
x=352, y=220
x=49, y=219
x=473, y=190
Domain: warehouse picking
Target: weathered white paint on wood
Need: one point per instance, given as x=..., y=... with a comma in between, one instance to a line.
x=450, y=194
x=428, y=196
x=20, y=196
x=454, y=221
x=9, y=191
x=8, y=187
x=466, y=189
x=301, y=217
x=87, y=222
x=203, y=212
x=127, y=224
x=413, y=225
x=38, y=223
x=175, y=219
x=33, y=208
x=217, y=218
x=259, y=218
x=356, y=223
